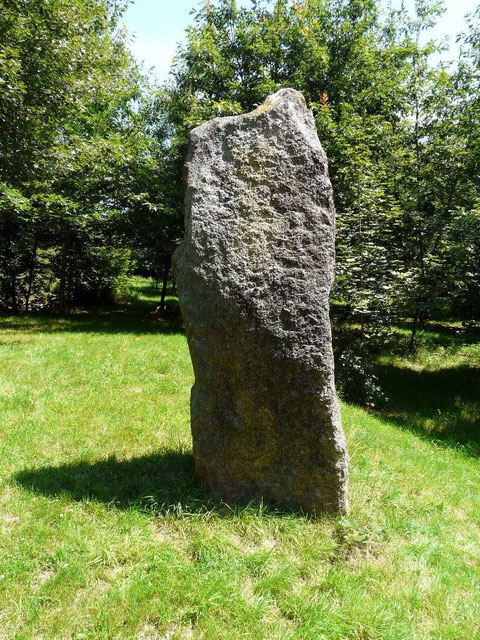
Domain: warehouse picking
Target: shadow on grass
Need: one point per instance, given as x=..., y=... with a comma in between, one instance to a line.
x=102, y=322
x=436, y=334
x=429, y=338
x=151, y=483
x=441, y=405
x=133, y=315
x=160, y=484
x=144, y=297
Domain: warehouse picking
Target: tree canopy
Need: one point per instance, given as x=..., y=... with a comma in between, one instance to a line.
x=73, y=148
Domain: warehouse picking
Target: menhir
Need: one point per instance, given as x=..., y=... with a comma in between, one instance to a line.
x=254, y=274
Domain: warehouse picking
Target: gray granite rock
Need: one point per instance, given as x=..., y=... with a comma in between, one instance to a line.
x=254, y=274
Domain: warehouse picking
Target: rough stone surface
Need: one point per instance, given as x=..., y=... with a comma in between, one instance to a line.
x=254, y=274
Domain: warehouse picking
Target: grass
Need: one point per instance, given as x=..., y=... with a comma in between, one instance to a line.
x=106, y=534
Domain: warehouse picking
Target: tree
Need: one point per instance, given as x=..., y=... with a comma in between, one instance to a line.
x=71, y=133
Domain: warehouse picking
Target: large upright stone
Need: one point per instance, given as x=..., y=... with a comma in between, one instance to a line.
x=254, y=274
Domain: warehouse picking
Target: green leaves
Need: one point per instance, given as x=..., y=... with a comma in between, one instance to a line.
x=71, y=135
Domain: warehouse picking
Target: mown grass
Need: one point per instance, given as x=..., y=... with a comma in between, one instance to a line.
x=106, y=534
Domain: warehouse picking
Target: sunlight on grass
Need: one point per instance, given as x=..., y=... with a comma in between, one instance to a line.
x=105, y=532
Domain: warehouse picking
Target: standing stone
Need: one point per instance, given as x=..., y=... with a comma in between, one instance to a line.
x=254, y=274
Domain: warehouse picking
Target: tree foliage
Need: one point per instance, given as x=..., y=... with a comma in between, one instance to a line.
x=73, y=146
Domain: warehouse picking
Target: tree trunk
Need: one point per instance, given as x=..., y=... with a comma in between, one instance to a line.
x=166, y=270
x=62, y=287
x=31, y=273
x=9, y=232
x=413, y=337
x=13, y=292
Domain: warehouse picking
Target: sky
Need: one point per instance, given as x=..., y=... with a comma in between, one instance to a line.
x=156, y=26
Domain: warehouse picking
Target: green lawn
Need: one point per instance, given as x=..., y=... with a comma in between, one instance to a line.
x=106, y=534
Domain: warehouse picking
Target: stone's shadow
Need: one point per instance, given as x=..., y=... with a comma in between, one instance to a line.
x=152, y=482
x=158, y=484
x=441, y=405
